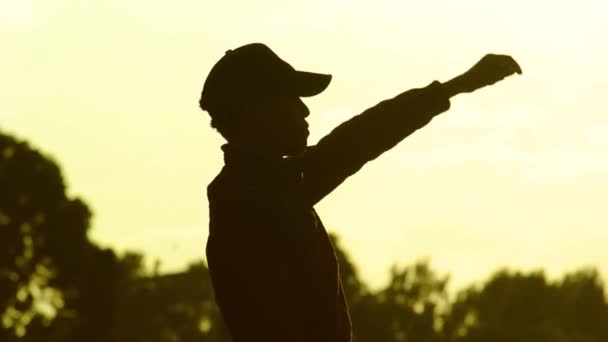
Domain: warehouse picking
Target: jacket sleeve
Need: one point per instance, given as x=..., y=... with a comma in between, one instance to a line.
x=364, y=137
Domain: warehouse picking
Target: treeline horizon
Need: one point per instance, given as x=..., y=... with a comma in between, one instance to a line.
x=58, y=285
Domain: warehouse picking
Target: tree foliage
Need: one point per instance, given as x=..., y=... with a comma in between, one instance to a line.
x=513, y=306
x=55, y=284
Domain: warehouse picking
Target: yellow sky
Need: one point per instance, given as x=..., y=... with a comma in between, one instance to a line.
x=516, y=174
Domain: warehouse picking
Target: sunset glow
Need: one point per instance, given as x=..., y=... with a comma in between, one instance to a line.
x=513, y=175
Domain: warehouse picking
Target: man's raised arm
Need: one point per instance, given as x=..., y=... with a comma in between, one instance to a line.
x=364, y=137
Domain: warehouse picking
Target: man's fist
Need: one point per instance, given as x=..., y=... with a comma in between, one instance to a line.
x=489, y=70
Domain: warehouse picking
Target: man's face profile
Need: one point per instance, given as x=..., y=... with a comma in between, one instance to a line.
x=277, y=123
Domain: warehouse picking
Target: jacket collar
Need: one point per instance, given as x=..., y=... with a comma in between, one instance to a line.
x=249, y=160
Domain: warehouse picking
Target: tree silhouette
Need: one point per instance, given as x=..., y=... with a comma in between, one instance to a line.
x=55, y=285
x=170, y=307
x=409, y=308
x=513, y=306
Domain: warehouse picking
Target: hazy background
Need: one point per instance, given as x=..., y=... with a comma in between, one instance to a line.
x=513, y=175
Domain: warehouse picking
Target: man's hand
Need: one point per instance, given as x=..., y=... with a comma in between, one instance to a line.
x=489, y=70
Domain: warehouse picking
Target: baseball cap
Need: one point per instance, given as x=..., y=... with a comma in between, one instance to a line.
x=253, y=70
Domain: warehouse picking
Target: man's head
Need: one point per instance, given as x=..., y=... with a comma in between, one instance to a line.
x=253, y=98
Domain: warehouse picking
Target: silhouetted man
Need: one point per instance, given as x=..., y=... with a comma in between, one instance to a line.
x=273, y=268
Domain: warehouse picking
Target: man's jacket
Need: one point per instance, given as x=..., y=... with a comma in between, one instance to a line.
x=273, y=268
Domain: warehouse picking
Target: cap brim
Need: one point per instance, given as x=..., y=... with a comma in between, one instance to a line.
x=310, y=83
